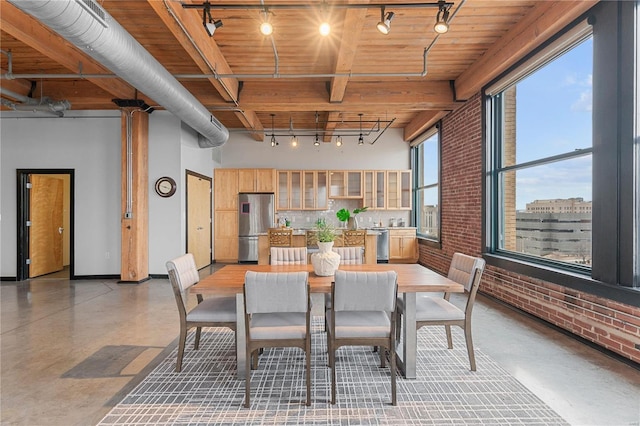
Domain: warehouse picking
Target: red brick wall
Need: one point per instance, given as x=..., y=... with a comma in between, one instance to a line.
x=610, y=324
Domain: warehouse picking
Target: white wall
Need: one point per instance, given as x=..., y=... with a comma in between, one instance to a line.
x=389, y=152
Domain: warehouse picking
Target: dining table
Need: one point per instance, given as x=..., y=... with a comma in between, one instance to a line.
x=412, y=279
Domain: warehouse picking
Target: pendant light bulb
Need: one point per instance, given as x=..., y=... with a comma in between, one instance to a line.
x=294, y=141
x=317, y=141
x=325, y=29
x=339, y=141
x=266, y=28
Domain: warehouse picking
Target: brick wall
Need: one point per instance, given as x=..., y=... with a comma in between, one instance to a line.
x=610, y=324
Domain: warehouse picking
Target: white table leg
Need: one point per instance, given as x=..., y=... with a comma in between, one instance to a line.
x=408, y=351
x=241, y=338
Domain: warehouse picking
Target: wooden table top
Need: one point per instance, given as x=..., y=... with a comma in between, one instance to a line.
x=411, y=278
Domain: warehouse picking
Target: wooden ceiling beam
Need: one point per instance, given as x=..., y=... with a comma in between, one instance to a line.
x=420, y=123
x=31, y=32
x=545, y=20
x=360, y=96
x=330, y=126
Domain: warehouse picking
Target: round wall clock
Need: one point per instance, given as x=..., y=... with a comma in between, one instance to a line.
x=165, y=186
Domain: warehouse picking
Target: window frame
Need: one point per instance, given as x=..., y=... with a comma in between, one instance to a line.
x=615, y=159
x=435, y=130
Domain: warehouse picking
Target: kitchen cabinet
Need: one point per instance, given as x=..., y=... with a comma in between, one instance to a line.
x=315, y=190
x=226, y=236
x=289, y=193
x=374, y=192
x=256, y=180
x=403, y=245
x=345, y=184
x=225, y=183
x=398, y=189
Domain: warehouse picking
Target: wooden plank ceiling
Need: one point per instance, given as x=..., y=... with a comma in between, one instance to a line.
x=296, y=77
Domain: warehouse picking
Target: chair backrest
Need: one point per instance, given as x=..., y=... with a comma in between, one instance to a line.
x=288, y=255
x=462, y=269
x=350, y=255
x=365, y=291
x=354, y=238
x=267, y=292
x=280, y=237
x=186, y=272
x=312, y=238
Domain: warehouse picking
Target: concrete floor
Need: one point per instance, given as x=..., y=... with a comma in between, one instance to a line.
x=70, y=350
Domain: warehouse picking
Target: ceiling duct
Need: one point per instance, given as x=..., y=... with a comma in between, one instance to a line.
x=109, y=43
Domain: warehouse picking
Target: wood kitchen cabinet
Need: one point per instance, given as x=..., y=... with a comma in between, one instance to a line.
x=225, y=184
x=398, y=189
x=289, y=193
x=374, y=192
x=256, y=180
x=345, y=184
x=226, y=236
x=315, y=195
x=403, y=245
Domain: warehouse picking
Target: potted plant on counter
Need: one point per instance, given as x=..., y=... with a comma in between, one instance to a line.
x=350, y=218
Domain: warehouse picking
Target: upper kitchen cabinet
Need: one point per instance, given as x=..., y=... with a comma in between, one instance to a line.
x=225, y=183
x=375, y=189
x=289, y=194
x=315, y=190
x=399, y=189
x=256, y=180
x=345, y=184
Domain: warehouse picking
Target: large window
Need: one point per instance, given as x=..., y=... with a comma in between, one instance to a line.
x=541, y=134
x=426, y=160
x=562, y=153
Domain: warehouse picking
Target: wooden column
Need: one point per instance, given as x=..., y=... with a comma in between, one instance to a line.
x=134, y=257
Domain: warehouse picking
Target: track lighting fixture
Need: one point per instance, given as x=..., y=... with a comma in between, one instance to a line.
x=441, y=25
x=265, y=27
x=325, y=28
x=317, y=141
x=208, y=22
x=294, y=141
x=339, y=141
x=384, y=26
x=274, y=143
x=360, y=139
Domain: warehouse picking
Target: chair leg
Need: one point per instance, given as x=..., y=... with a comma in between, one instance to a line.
x=449, y=339
x=383, y=356
x=332, y=363
x=181, y=344
x=469, y=340
x=247, y=379
x=392, y=354
x=308, y=350
x=196, y=344
x=398, y=324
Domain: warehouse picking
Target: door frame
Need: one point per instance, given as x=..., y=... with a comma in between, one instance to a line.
x=186, y=180
x=23, y=214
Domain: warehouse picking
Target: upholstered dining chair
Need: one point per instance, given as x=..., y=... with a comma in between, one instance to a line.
x=210, y=312
x=280, y=237
x=466, y=270
x=350, y=255
x=277, y=314
x=362, y=314
x=288, y=256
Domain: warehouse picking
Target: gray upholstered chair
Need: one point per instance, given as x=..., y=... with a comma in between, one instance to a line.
x=466, y=270
x=288, y=256
x=277, y=314
x=350, y=255
x=210, y=312
x=362, y=314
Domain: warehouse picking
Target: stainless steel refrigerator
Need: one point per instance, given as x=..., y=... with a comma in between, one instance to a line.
x=256, y=214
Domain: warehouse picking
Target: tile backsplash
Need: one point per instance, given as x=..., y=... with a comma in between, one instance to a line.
x=370, y=218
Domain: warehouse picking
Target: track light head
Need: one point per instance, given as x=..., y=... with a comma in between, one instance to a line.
x=294, y=141
x=208, y=22
x=212, y=26
x=441, y=26
x=266, y=28
x=325, y=29
x=317, y=141
x=360, y=140
x=339, y=141
x=384, y=26
x=273, y=141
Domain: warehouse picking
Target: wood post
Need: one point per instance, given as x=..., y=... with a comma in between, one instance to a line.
x=134, y=257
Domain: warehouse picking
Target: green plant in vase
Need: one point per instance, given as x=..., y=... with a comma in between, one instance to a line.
x=345, y=216
x=325, y=232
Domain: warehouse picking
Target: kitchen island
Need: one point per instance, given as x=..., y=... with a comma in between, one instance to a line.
x=299, y=240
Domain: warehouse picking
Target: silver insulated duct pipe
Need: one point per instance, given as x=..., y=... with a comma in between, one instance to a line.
x=90, y=28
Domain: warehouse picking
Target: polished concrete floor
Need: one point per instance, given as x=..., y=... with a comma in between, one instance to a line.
x=70, y=350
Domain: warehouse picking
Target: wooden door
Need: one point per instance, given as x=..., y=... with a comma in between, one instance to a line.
x=199, y=219
x=45, y=232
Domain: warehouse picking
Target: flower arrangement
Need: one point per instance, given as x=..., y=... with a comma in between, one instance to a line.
x=326, y=232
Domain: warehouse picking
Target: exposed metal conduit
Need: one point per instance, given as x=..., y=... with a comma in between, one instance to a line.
x=105, y=40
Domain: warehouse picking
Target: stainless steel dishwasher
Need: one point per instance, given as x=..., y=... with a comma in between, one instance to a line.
x=383, y=245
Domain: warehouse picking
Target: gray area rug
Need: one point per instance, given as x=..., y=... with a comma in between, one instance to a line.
x=446, y=392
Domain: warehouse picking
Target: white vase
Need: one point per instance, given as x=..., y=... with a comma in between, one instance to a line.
x=325, y=261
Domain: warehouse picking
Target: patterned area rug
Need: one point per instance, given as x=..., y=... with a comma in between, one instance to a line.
x=446, y=392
